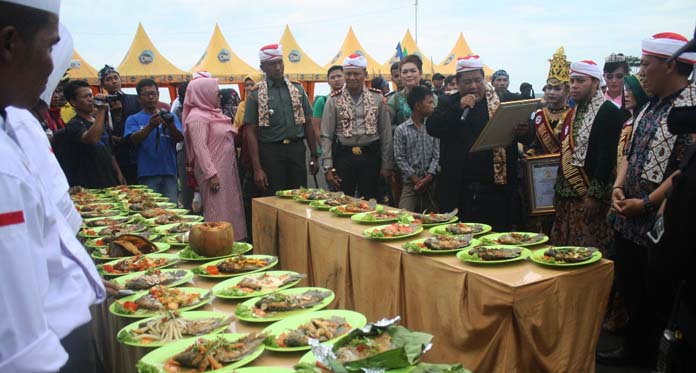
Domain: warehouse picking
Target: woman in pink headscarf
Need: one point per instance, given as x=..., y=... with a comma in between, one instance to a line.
x=210, y=149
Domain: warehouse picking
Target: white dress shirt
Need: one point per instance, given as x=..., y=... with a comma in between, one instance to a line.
x=47, y=280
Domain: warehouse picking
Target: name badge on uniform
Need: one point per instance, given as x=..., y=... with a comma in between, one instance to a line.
x=357, y=150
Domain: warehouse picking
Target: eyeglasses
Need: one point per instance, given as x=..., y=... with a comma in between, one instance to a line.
x=612, y=76
x=149, y=94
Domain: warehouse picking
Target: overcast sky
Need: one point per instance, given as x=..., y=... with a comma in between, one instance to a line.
x=519, y=36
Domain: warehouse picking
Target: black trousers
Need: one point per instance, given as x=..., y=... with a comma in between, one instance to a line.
x=647, y=304
x=82, y=357
x=490, y=204
x=284, y=165
x=359, y=173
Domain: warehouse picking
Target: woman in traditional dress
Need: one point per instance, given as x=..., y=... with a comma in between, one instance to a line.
x=209, y=140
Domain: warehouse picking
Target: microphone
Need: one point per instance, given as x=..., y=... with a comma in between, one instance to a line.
x=465, y=113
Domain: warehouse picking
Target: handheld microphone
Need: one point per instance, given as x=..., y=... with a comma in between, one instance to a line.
x=465, y=114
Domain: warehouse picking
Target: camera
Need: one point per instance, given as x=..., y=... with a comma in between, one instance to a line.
x=166, y=116
x=108, y=99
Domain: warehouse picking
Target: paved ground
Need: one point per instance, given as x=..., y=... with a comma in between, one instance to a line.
x=608, y=341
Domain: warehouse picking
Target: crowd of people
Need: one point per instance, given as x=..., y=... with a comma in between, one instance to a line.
x=624, y=141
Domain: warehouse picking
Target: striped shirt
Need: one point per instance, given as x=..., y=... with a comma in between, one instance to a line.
x=415, y=152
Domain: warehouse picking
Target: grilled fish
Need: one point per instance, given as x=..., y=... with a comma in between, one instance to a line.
x=496, y=253
x=284, y=303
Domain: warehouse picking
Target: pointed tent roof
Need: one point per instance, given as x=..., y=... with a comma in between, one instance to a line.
x=220, y=60
x=298, y=65
x=409, y=46
x=80, y=69
x=461, y=48
x=352, y=45
x=143, y=60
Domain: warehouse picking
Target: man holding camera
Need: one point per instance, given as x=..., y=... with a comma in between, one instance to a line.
x=155, y=134
x=87, y=160
x=121, y=106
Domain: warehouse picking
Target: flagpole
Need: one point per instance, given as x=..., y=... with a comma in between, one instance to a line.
x=416, y=6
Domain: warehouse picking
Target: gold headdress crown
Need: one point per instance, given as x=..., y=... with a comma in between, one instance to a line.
x=559, y=72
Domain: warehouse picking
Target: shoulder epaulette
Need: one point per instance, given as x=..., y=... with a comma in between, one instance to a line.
x=376, y=91
x=336, y=92
x=295, y=82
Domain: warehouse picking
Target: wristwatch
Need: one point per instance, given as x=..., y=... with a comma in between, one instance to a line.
x=648, y=205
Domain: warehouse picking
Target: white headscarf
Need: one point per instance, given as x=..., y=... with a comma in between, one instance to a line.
x=61, y=56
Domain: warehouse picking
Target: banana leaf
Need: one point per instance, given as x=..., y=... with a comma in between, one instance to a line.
x=409, y=347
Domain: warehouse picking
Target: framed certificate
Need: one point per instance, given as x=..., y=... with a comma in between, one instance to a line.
x=498, y=131
x=541, y=173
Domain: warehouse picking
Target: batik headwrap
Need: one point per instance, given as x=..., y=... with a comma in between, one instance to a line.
x=106, y=70
x=295, y=100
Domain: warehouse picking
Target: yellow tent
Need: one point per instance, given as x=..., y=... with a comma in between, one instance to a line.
x=143, y=60
x=448, y=66
x=80, y=69
x=352, y=45
x=221, y=61
x=298, y=65
x=408, y=46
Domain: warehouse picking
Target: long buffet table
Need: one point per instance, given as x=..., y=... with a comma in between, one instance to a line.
x=519, y=317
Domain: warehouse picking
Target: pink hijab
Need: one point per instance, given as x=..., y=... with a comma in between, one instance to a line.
x=200, y=105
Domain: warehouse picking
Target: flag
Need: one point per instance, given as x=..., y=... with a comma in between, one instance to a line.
x=399, y=52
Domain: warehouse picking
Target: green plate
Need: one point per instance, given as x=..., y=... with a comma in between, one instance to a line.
x=494, y=236
x=126, y=219
x=218, y=290
x=189, y=255
x=97, y=253
x=362, y=217
x=172, y=209
x=113, y=205
x=335, y=211
x=121, y=280
x=171, y=260
x=171, y=240
x=538, y=257
x=105, y=213
x=140, y=313
x=192, y=219
x=200, y=270
x=319, y=205
x=264, y=370
x=365, y=233
x=284, y=193
x=453, y=220
x=466, y=257
x=276, y=316
x=155, y=360
x=122, y=335
x=163, y=229
x=442, y=229
x=354, y=319
x=309, y=358
x=425, y=250
x=300, y=200
x=84, y=232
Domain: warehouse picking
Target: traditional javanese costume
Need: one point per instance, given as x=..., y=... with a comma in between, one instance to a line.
x=588, y=161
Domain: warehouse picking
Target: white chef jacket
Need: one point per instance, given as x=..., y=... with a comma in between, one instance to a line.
x=37, y=148
x=47, y=280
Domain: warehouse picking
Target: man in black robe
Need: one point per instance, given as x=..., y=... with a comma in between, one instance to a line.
x=481, y=185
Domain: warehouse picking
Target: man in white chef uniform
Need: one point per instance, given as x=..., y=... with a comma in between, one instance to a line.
x=47, y=281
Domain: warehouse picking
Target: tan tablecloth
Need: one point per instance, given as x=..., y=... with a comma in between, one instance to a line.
x=519, y=317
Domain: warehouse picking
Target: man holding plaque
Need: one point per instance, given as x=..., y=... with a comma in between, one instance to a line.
x=588, y=158
x=482, y=185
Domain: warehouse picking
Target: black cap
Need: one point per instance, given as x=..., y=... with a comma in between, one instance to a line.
x=438, y=76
